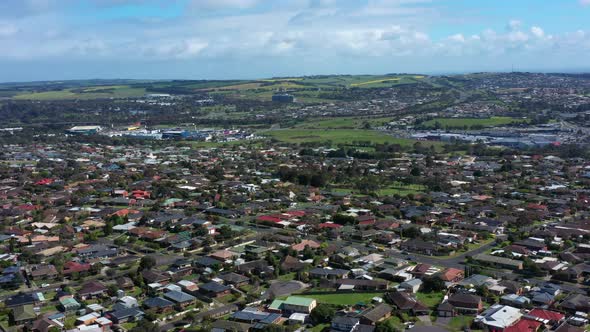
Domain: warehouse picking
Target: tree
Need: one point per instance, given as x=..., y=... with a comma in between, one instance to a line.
x=108, y=228
x=343, y=219
x=120, y=241
x=531, y=268
x=411, y=232
x=308, y=253
x=147, y=263
x=321, y=314
x=432, y=284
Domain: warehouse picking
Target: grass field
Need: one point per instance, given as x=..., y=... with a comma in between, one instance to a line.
x=344, y=298
x=431, y=300
x=376, y=81
x=342, y=123
x=305, y=89
x=399, y=188
x=469, y=122
x=122, y=91
x=338, y=136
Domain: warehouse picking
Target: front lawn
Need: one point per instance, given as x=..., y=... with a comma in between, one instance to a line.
x=319, y=327
x=287, y=277
x=459, y=322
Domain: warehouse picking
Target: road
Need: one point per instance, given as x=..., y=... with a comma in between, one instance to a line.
x=457, y=262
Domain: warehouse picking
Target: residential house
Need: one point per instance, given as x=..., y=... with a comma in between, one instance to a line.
x=344, y=324
x=237, y=280
x=293, y=304
x=501, y=262
x=465, y=303
x=91, y=289
x=158, y=304
x=328, y=273
x=214, y=289
x=180, y=298
x=125, y=315
x=412, y=285
x=406, y=302
x=377, y=314
x=22, y=314
x=451, y=275
x=498, y=317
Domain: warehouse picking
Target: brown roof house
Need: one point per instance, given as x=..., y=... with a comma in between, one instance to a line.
x=377, y=314
x=91, y=289
x=466, y=303
x=406, y=302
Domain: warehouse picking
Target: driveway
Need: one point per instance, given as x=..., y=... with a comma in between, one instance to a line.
x=425, y=320
x=442, y=321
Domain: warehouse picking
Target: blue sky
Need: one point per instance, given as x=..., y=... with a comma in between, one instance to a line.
x=221, y=39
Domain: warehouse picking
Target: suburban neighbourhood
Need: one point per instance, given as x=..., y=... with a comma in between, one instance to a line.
x=374, y=213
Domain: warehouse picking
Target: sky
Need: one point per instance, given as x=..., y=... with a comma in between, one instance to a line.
x=248, y=39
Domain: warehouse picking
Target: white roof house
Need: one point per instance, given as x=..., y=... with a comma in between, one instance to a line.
x=499, y=316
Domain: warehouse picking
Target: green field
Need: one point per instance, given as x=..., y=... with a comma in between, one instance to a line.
x=99, y=92
x=338, y=136
x=343, y=123
x=431, y=300
x=306, y=89
x=459, y=123
x=399, y=188
x=344, y=298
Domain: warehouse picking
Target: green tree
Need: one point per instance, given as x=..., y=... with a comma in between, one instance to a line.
x=147, y=263
x=432, y=284
x=321, y=314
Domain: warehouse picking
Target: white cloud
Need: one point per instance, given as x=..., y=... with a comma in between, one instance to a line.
x=514, y=25
x=537, y=32
x=585, y=2
x=458, y=38
x=7, y=29
x=292, y=31
x=223, y=4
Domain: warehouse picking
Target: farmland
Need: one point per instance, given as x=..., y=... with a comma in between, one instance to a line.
x=307, y=89
x=98, y=92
